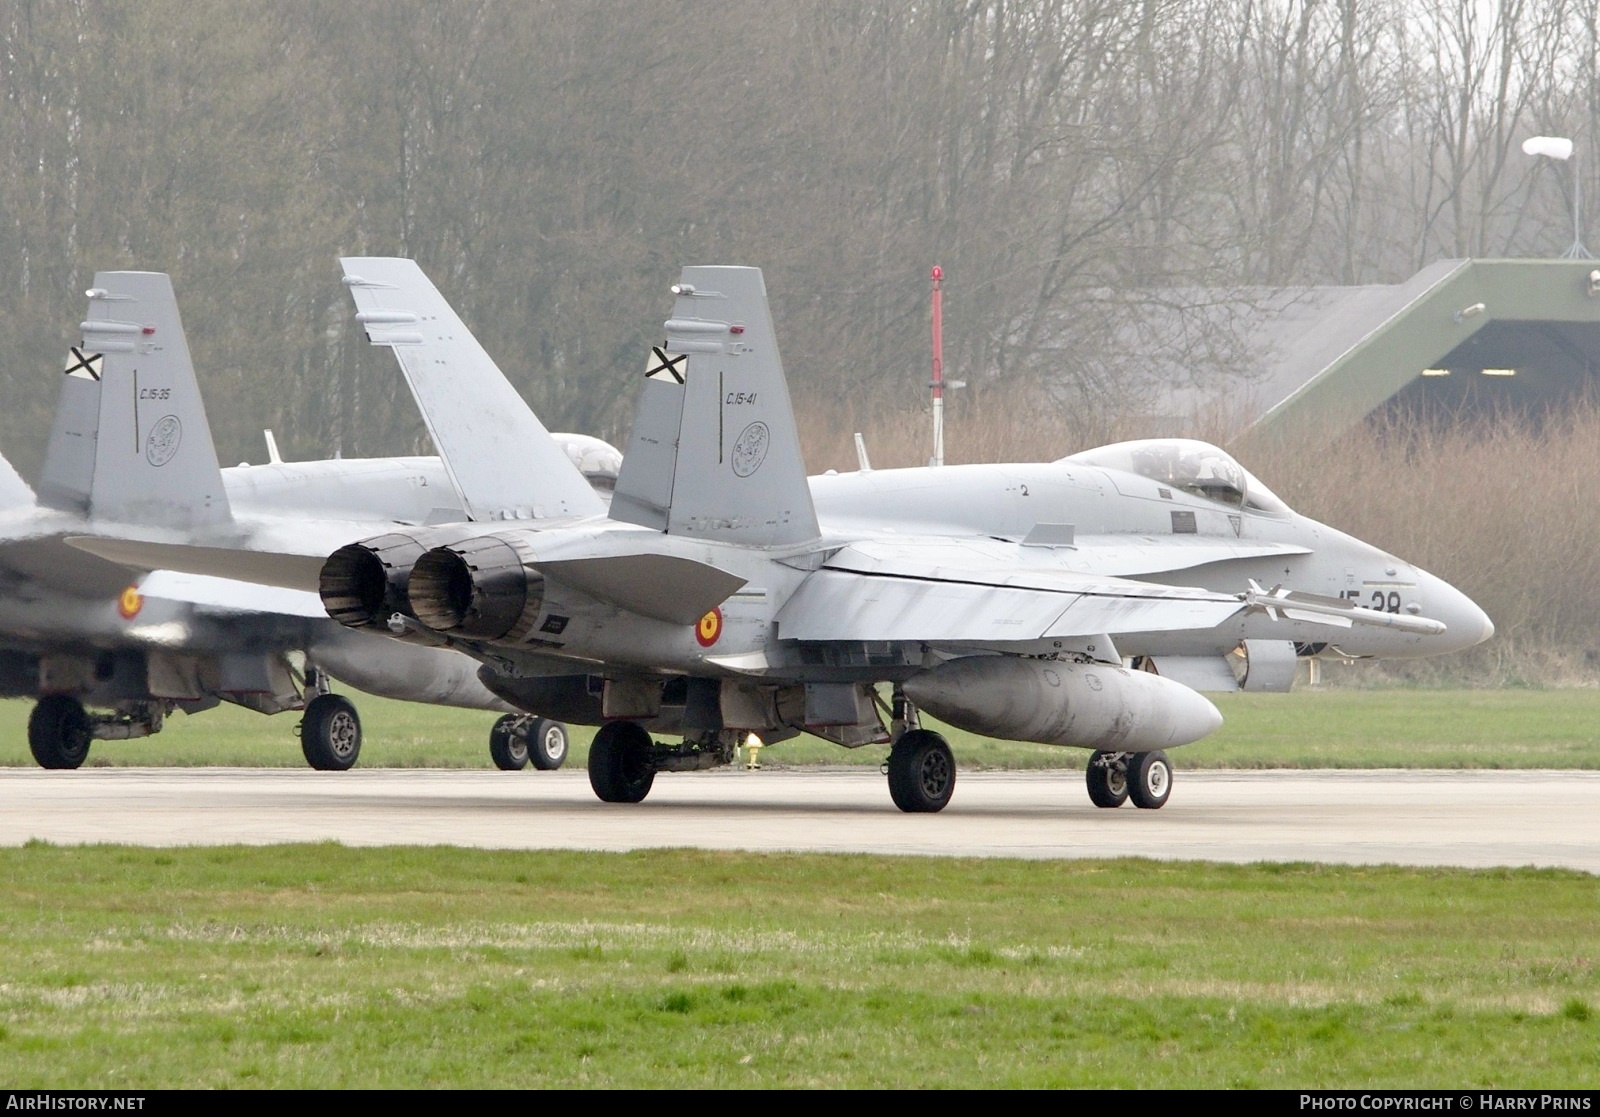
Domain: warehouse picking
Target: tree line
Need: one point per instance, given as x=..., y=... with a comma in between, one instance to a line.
x=1068, y=162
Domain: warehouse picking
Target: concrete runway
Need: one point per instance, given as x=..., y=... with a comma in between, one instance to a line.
x=1403, y=817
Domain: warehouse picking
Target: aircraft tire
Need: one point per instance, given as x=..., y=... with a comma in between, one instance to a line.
x=59, y=732
x=507, y=747
x=330, y=733
x=922, y=772
x=1108, y=783
x=621, y=769
x=547, y=744
x=1149, y=780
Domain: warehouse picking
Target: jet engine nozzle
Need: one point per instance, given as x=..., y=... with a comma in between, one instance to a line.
x=353, y=586
x=480, y=588
x=1052, y=702
x=364, y=584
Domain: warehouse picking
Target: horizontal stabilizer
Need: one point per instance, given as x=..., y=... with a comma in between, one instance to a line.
x=295, y=572
x=666, y=587
x=500, y=458
x=226, y=595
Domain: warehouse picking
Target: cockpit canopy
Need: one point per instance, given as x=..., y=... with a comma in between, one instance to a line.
x=1195, y=467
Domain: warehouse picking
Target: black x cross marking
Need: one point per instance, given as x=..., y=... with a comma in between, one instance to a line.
x=662, y=366
x=88, y=362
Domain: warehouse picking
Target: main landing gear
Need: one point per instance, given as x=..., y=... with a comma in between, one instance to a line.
x=624, y=759
x=59, y=732
x=330, y=733
x=922, y=772
x=1116, y=777
x=518, y=738
x=921, y=768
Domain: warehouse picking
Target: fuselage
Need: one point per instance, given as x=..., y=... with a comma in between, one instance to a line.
x=1119, y=510
x=1093, y=518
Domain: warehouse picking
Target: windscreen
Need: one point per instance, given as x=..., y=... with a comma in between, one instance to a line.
x=1195, y=467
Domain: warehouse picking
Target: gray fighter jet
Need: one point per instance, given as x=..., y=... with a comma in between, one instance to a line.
x=130, y=454
x=723, y=593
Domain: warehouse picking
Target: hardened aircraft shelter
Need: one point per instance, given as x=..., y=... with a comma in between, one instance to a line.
x=1460, y=338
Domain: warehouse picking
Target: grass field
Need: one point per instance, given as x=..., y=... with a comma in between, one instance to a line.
x=323, y=966
x=314, y=966
x=1333, y=728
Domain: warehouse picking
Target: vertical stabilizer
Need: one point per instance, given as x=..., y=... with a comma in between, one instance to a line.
x=500, y=458
x=130, y=441
x=715, y=453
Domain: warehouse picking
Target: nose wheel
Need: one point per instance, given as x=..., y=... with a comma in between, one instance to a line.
x=1116, y=777
x=1108, y=779
x=517, y=739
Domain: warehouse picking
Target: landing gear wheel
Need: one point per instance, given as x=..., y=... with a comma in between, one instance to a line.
x=507, y=747
x=621, y=768
x=922, y=772
x=59, y=732
x=330, y=733
x=547, y=745
x=1149, y=779
x=1108, y=779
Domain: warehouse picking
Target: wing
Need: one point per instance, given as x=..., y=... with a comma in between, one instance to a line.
x=500, y=458
x=938, y=596
x=14, y=491
x=1117, y=556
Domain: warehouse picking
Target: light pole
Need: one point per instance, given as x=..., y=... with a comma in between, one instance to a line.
x=1559, y=147
x=939, y=383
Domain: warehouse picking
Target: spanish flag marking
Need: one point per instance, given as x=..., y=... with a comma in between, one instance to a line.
x=709, y=628
x=129, y=602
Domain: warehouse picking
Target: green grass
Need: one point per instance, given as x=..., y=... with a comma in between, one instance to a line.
x=314, y=966
x=1335, y=728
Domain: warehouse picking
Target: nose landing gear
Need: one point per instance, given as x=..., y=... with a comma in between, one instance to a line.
x=1116, y=777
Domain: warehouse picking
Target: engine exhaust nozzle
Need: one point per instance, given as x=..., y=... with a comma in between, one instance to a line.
x=478, y=589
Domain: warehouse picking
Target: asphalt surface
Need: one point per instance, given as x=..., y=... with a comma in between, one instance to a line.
x=1471, y=819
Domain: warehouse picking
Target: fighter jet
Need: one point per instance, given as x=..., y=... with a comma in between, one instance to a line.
x=130, y=454
x=722, y=593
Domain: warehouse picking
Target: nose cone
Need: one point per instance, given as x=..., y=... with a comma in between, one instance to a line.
x=1466, y=625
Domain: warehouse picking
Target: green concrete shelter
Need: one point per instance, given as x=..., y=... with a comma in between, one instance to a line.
x=1460, y=338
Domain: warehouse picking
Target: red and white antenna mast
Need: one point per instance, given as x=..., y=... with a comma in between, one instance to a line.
x=939, y=383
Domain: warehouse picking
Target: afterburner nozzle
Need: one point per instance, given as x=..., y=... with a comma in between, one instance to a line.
x=364, y=584
x=479, y=589
x=353, y=586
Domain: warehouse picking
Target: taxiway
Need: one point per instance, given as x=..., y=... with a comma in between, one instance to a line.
x=1471, y=819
